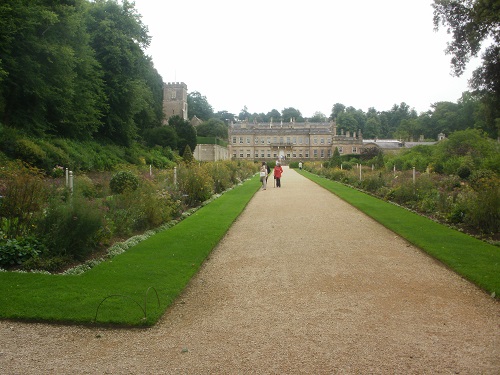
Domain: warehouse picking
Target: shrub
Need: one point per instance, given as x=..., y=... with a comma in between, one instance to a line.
x=221, y=176
x=195, y=183
x=122, y=181
x=85, y=187
x=372, y=182
x=30, y=152
x=14, y=252
x=24, y=195
x=483, y=210
x=55, y=155
x=71, y=228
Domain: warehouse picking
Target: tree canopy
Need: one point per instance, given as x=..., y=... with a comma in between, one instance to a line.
x=186, y=133
x=198, y=106
x=213, y=128
x=472, y=24
x=77, y=69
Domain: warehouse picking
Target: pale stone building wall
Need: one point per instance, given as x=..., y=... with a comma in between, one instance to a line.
x=290, y=142
x=209, y=152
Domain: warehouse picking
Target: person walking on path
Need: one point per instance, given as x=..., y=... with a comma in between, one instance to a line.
x=263, y=175
x=278, y=170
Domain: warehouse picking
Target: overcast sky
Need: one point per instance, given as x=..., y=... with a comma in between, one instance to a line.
x=309, y=55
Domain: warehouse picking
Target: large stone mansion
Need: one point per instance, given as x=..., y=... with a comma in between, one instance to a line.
x=290, y=141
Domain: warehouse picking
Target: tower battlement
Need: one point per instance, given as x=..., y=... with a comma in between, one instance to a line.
x=176, y=85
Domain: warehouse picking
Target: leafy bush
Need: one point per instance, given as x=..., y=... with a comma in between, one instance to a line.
x=85, y=187
x=14, y=252
x=71, y=228
x=372, y=182
x=122, y=181
x=483, y=210
x=145, y=208
x=195, y=183
x=24, y=196
x=221, y=175
x=55, y=155
x=30, y=152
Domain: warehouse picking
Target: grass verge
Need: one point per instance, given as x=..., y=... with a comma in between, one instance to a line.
x=134, y=288
x=475, y=260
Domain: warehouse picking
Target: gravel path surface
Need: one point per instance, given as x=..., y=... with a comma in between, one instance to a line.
x=302, y=284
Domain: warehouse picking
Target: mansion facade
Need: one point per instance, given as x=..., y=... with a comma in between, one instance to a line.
x=291, y=142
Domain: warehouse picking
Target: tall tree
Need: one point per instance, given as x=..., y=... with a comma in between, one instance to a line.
x=472, y=23
x=186, y=133
x=291, y=113
x=275, y=115
x=244, y=114
x=336, y=110
x=119, y=37
x=213, y=128
x=198, y=106
x=318, y=117
x=51, y=81
x=225, y=116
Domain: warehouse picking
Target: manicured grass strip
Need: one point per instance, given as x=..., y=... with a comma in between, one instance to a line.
x=165, y=261
x=471, y=258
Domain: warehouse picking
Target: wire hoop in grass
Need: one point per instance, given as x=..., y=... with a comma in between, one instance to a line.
x=144, y=309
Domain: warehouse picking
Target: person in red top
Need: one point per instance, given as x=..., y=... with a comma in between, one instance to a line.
x=277, y=174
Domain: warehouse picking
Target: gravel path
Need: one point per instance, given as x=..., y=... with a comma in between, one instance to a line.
x=302, y=284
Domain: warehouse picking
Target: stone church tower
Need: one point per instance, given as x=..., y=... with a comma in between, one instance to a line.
x=175, y=100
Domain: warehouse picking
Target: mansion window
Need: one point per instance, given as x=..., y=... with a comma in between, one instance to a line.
x=315, y=153
x=241, y=139
x=262, y=155
x=262, y=140
x=307, y=141
x=234, y=139
x=274, y=139
x=268, y=140
x=354, y=150
x=322, y=153
x=256, y=155
x=248, y=140
x=322, y=141
x=329, y=140
x=341, y=149
x=307, y=154
x=248, y=153
x=315, y=141
x=256, y=140
x=300, y=140
x=234, y=155
x=268, y=154
x=329, y=153
x=294, y=140
x=241, y=154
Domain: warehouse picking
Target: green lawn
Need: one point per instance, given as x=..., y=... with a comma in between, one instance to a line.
x=123, y=290
x=471, y=258
x=162, y=264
